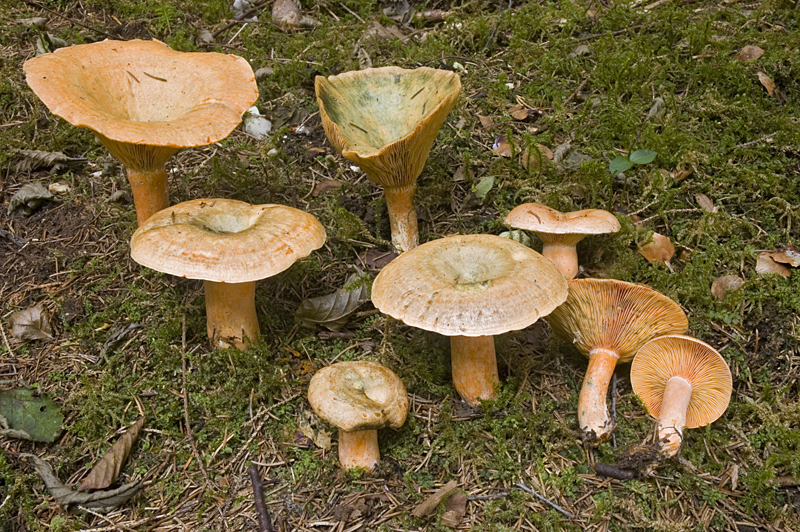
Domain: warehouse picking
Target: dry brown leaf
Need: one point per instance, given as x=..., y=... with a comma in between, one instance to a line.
x=428, y=506
x=324, y=186
x=727, y=283
x=33, y=323
x=789, y=255
x=501, y=146
x=309, y=425
x=380, y=32
x=520, y=112
x=486, y=121
x=705, y=203
x=287, y=14
x=767, y=82
x=766, y=264
x=106, y=471
x=454, y=509
x=750, y=53
x=535, y=158
x=658, y=249
x=375, y=259
x=680, y=175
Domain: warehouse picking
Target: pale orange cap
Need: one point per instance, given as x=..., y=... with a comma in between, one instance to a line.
x=567, y=227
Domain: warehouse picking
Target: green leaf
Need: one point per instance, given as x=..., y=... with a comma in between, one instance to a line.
x=643, y=156
x=619, y=164
x=32, y=418
x=483, y=187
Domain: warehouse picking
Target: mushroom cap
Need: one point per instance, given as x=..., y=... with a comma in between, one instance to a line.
x=143, y=92
x=469, y=285
x=542, y=219
x=385, y=119
x=359, y=395
x=226, y=241
x=615, y=315
x=676, y=355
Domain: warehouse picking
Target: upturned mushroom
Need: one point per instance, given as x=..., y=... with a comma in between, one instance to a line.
x=385, y=120
x=144, y=102
x=470, y=288
x=359, y=398
x=560, y=232
x=684, y=383
x=229, y=245
x=608, y=321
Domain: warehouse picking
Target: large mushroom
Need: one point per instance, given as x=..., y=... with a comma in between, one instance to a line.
x=230, y=245
x=385, y=120
x=560, y=232
x=144, y=102
x=684, y=383
x=470, y=288
x=608, y=321
x=359, y=398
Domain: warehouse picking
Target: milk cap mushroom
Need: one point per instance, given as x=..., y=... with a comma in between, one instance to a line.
x=385, y=120
x=230, y=245
x=684, y=383
x=144, y=102
x=560, y=232
x=470, y=287
x=359, y=398
x=608, y=321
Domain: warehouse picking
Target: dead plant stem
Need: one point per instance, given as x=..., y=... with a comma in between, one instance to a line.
x=264, y=520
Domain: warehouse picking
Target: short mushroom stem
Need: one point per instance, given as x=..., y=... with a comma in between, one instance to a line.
x=564, y=256
x=592, y=411
x=150, y=192
x=474, y=367
x=359, y=449
x=402, y=216
x=231, y=314
x=672, y=416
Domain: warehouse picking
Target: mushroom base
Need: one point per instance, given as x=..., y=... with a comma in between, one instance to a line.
x=593, y=417
x=402, y=216
x=231, y=314
x=474, y=367
x=672, y=417
x=359, y=449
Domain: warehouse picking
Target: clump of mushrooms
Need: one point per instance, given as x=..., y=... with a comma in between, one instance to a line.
x=229, y=245
x=385, y=120
x=144, y=102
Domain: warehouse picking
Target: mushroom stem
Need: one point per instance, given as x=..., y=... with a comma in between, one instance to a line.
x=592, y=411
x=474, y=367
x=402, y=216
x=150, y=192
x=231, y=314
x=563, y=255
x=359, y=449
x=672, y=417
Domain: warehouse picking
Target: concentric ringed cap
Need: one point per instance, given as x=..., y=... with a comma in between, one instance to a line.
x=469, y=285
x=676, y=355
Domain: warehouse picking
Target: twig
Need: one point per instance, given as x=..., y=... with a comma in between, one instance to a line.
x=77, y=23
x=185, y=394
x=580, y=87
x=5, y=340
x=608, y=470
x=264, y=521
x=754, y=142
x=427, y=506
x=553, y=505
x=496, y=25
x=490, y=497
x=595, y=35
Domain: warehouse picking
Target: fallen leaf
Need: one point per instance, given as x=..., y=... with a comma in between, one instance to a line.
x=380, y=32
x=397, y=8
x=501, y=146
x=454, y=509
x=241, y=8
x=727, y=283
x=311, y=428
x=33, y=323
x=658, y=249
x=619, y=164
x=680, y=175
x=750, y=53
x=483, y=187
x=789, y=255
x=26, y=416
x=656, y=109
x=106, y=471
x=428, y=506
x=28, y=198
x=375, y=259
x=287, y=14
x=324, y=186
x=766, y=264
x=520, y=112
x=486, y=121
x=100, y=501
x=767, y=82
x=535, y=158
x=705, y=203
x=29, y=160
x=283, y=115
x=333, y=310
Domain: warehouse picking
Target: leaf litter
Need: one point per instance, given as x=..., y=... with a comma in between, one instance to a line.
x=33, y=323
x=106, y=471
x=28, y=416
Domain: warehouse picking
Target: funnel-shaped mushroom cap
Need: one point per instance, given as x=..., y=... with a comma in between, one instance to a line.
x=358, y=396
x=470, y=285
x=700, y=364
x=143, y=92
x=615, y=315
x=544, y=220
x=385, y=119
x=225, y=241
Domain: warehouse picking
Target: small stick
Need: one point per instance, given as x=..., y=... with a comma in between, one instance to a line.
x=264, y=521
x=754, y=142
x=580, y=87
x=553, y=505
x=185, y=394
x=5, y=340
x=608, y=470
x=496, y=25
x=490, y=497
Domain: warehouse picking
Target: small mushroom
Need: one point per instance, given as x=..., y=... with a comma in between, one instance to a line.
x=229, y=245
x=561, y=231
x=608, y=321
x=144, y=102
x=385, y=120
x=684, y=383
x=359, y=398
x=470, y=288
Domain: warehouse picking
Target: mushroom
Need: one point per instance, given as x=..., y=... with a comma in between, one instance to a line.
x=470, y=288
x=385, y=120
x=359, y=398
x=608, y=321
x=144, y=102
x=229, y=245
x=560, y=232
x=684, y=383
